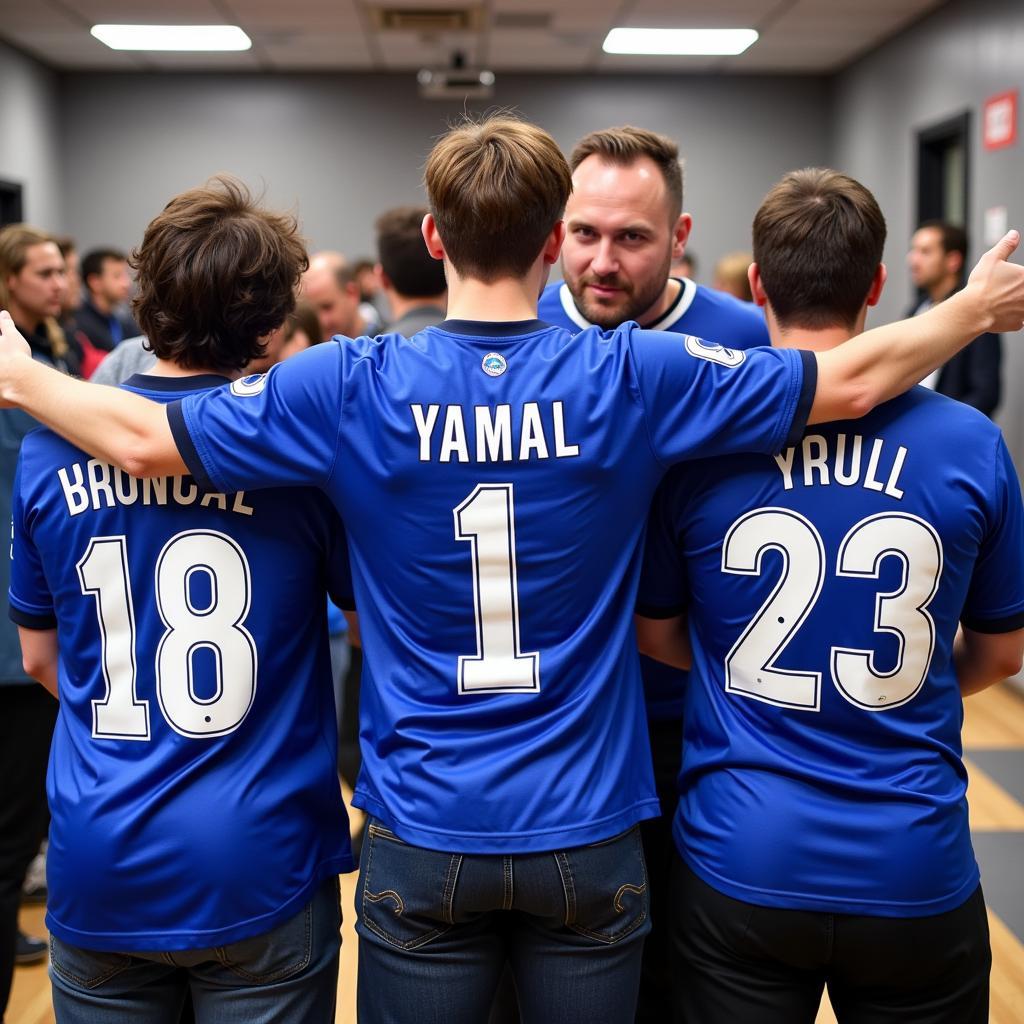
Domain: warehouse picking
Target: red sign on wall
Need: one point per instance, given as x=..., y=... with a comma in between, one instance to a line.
x=999, y=120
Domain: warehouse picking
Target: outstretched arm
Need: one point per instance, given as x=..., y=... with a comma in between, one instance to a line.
x=109, y=423
x=886, y=361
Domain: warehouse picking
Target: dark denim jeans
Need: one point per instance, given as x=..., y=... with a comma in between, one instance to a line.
x=436, y=930
x=288, y=975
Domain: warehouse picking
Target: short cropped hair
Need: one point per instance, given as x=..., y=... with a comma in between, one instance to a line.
x=93, y=260
x=403, y=255
x=952, y=237
x=626, y=145
x=496, y=189
x=818, y=240
x=216, y=273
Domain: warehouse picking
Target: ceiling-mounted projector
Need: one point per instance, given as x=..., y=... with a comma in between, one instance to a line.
x=455, y=82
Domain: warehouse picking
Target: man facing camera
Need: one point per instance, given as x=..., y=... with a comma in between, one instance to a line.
x=822, y=827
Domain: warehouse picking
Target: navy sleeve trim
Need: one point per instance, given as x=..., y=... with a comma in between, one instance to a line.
x=30, y=621
x=1005, y=625
x=186, y=447
x=650, y=611
x=806, y=399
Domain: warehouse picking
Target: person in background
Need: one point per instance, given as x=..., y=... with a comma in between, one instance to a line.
x=412, y=281
x=685, y=266
x=33, y=287
x=372, y=301
x=731, y=275
x=102, y=317
x=330, y=287
x=937, y=260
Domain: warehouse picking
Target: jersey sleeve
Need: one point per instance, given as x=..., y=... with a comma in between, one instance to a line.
x=278, y=429
x=995, y=599
x=704, y=400
x=31, y=603
x=663, y=590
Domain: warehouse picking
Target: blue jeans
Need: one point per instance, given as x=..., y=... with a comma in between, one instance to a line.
x=288, y=975
x=436, y=930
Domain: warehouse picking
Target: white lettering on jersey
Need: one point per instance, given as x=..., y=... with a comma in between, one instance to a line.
x=101, y=485
x=821, y=466
x=542, y=433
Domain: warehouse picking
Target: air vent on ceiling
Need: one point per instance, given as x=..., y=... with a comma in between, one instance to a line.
x=522, y=19
x=425, y=19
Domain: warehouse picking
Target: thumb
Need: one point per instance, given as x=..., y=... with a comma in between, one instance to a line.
x=1004, y=248
x=6, y=323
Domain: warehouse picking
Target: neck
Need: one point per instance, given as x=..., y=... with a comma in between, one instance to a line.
x=100, y=304
x=167, y=368
x=658, y=310
x=22, y=317
x=506, y=300
x=819, y=339
x=942, y=289
x=402, y=304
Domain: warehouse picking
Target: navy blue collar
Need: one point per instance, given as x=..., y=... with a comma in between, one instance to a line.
x=492, y=328
x=197, y=382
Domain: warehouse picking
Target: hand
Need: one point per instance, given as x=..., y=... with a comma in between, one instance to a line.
x=13, y=349
x=999, y=286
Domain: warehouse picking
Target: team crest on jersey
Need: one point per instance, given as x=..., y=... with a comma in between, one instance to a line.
x=494, y=364
x=713, y=353
x=246, y=387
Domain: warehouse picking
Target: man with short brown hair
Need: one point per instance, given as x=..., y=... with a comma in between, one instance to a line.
x=494, y=474
x=822, y=832
x=412, y=280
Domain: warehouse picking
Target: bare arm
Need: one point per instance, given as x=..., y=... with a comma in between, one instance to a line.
x=39, y=655
x=886, y=361
x=666, y=640
x=982, y=659
x=111, y=424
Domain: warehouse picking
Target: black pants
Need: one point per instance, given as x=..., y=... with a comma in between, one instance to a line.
x=737, y=963
x=27, y=714
x=655, y=978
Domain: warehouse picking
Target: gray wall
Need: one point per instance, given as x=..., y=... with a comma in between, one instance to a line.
x=950, y=62
x=30, y=147
x=341, y=148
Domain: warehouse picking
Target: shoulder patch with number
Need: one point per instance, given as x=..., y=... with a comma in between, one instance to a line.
x=713, y=353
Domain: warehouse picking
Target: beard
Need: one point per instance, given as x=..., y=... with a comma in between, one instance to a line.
x=631, y=303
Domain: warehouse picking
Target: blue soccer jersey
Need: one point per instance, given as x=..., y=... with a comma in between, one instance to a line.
x=193, y=784
x=822, y=759
x=494, y=480
x=705, y=313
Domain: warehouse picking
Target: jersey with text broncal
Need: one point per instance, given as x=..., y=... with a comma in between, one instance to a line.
x=494, y=481
x=192, y=780
x=713, y=316
x=822, y=758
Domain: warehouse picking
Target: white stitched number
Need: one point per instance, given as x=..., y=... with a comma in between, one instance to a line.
x=749, y=665
x=103, y=573
x=486, y=519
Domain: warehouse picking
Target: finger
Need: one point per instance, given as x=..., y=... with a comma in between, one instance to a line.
x=6, y=323
x=1004, y=248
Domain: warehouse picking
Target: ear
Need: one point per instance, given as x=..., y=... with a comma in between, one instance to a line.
x=553, y=245
x=385, y=281
x=431, y=237
x=680, y=236
x=955, y=263
x=877, y=284
x=759, y=295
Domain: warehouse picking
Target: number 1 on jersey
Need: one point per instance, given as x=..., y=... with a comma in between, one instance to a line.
x=486, y=519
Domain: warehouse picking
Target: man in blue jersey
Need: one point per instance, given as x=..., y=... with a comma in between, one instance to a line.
x=494, y=475
x=197, y=822
x=625, y=227
x=822, y=826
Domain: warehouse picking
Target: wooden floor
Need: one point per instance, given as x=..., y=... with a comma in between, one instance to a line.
x=994, y=721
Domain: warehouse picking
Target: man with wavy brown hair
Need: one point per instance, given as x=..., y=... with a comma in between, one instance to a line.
x=197, y=824
x=494, y=474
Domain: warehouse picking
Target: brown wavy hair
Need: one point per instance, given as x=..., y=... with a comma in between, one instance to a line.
x=216, y=273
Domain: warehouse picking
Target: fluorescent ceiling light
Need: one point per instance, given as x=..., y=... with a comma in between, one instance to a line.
x=199, y=38
x=703, y=42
